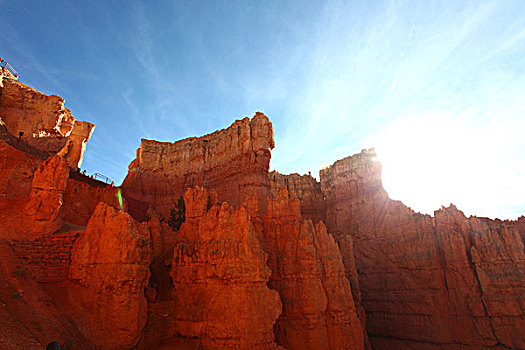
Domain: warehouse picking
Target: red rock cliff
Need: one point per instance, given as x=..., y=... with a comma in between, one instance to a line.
x=109, y=272
x=303, y=188
x=447, y=282
x=45, y=122
x=253, y=266
x=233, y=161
x=308, y=273
x=219, y=275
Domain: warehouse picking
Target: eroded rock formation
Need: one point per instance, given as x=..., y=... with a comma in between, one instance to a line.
x=219, y=274
x=263, y=260
x=446, y=282
x=307, y=270
x=233, y=161
x=109, y=272
x=303, y=188
x=16, y=171
x=81, y=199
x=43, y=121
x=41, y=212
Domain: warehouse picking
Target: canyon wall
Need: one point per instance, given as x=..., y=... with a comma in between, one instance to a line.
x=318, y=311
x=109, y=272
x=303, y=188
x=16, y=171
x=220, y=277
x=446, y=282
x=232, y=161
x=43, y=121
x=263, y=260
x=308, y=272
x=81, y=199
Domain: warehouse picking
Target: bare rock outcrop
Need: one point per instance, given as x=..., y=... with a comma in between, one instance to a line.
x=44, y=121
x=303, y=188
x=232, y=161
x=41, y=212
x=75, y=147
x=109, y=272
x=263, y=261
x=219, y=276
x=47, y=196
x=308, y=273
x=446, y=282
x=29, y=318
x=81, y=199
x=16, y=171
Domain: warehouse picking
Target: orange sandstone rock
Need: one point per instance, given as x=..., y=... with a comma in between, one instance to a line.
x=232, y=161
x=308, y=272
x=219, y=276
x=16, y=171
x=29, y=318
x=446, y=282
x=45, y=122
x=303, y=188
x=73, y=150
x=81, y=199
x=109, y=272
x=41, y=212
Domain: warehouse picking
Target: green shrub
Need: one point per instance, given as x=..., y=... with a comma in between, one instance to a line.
x=177, y=214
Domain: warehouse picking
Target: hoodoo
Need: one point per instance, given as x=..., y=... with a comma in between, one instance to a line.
x=261, y=261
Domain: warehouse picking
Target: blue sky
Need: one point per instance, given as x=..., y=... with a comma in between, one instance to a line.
x=437, y=87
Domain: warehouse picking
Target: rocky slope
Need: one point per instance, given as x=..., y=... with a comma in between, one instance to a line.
x=233, y=161
x=108, y=275
x=263, y=260
x=446, y=282
x=43, y=120
x=308, y=272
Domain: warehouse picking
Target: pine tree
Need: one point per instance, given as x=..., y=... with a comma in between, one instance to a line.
x=177, y=214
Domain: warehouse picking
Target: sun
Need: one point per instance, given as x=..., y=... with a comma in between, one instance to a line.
x=437, y=159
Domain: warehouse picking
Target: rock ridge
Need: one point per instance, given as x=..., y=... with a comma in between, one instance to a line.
x=233, y=161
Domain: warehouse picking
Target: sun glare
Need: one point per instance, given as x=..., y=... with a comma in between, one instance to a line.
x=437, y=160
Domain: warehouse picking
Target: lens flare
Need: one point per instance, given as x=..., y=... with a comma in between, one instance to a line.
x=119, y=196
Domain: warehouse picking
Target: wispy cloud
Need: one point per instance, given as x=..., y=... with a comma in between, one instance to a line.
x=376, y=65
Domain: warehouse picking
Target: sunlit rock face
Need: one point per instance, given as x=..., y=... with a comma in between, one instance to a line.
x=41, y=212
x=447, y=282
x=16, y=172
x=308, y=272
x=303, y=188
x=44, y=121
x=232, y=161
x=263, y=260
x=220, y=277
x=109, y=272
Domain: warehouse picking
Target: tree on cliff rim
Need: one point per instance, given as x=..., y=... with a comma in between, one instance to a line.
x=177, y=214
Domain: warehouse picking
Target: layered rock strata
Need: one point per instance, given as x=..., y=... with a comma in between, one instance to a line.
x=253, y=266
x=43, y=121
x=446, y=282
x=109, y=272
x=219, y=275
x=16, y=171
x=308, y=272
x=81, y=199
x=303, y=188
x=232, y=161
x=30, y=318
x=40, y=213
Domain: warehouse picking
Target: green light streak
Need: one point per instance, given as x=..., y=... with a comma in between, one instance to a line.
x=119, y=196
